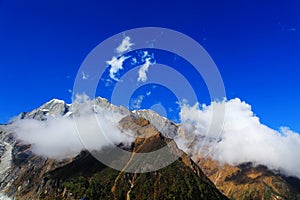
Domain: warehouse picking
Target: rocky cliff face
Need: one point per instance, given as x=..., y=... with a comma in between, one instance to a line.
x=25, y=175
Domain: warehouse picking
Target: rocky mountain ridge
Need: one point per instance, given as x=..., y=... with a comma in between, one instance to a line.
x=36, y=177
x=245, y=181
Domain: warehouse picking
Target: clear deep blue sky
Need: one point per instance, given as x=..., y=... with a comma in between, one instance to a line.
x=255, y=44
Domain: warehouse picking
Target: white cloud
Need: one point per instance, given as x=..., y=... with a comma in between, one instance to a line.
x=133, y=61
x=293, y=29
x=136, y=103
x=146, y=58
x=148, y=93
x=116, y=64
x=58, y=137
x=85, y=76
x=243, y=139
x=108, y=82
x=125, y=45
x=142, y=71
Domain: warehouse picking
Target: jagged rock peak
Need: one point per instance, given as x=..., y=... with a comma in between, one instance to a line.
x=167, y=127
x=56, y=101
x=54, y=107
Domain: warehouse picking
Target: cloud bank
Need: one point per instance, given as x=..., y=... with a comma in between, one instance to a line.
x=243, y=138
x=59, y=137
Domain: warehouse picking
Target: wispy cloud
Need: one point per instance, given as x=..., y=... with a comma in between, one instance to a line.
x=293, y=29
x=244, y=138
x=143, y=71
x=287, y=28
x=107, y=82
x=144, y=68
x=133, y=61
x=116, y=65
x=85, y=76
x=148, y=93
x=136, y=103
x=125, y=45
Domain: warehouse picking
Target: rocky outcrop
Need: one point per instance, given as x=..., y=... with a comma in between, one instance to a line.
x=247, y=181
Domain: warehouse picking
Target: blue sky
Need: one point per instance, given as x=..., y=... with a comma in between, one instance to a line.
x=255, y=44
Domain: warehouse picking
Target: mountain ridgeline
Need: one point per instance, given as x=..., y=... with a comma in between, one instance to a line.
x=25, y=175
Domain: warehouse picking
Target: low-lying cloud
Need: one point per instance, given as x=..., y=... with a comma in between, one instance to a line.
x=243, y=137
x=91, y=127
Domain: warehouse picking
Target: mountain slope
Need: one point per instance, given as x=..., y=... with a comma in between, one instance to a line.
x=246, y=181
x=35, y=177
